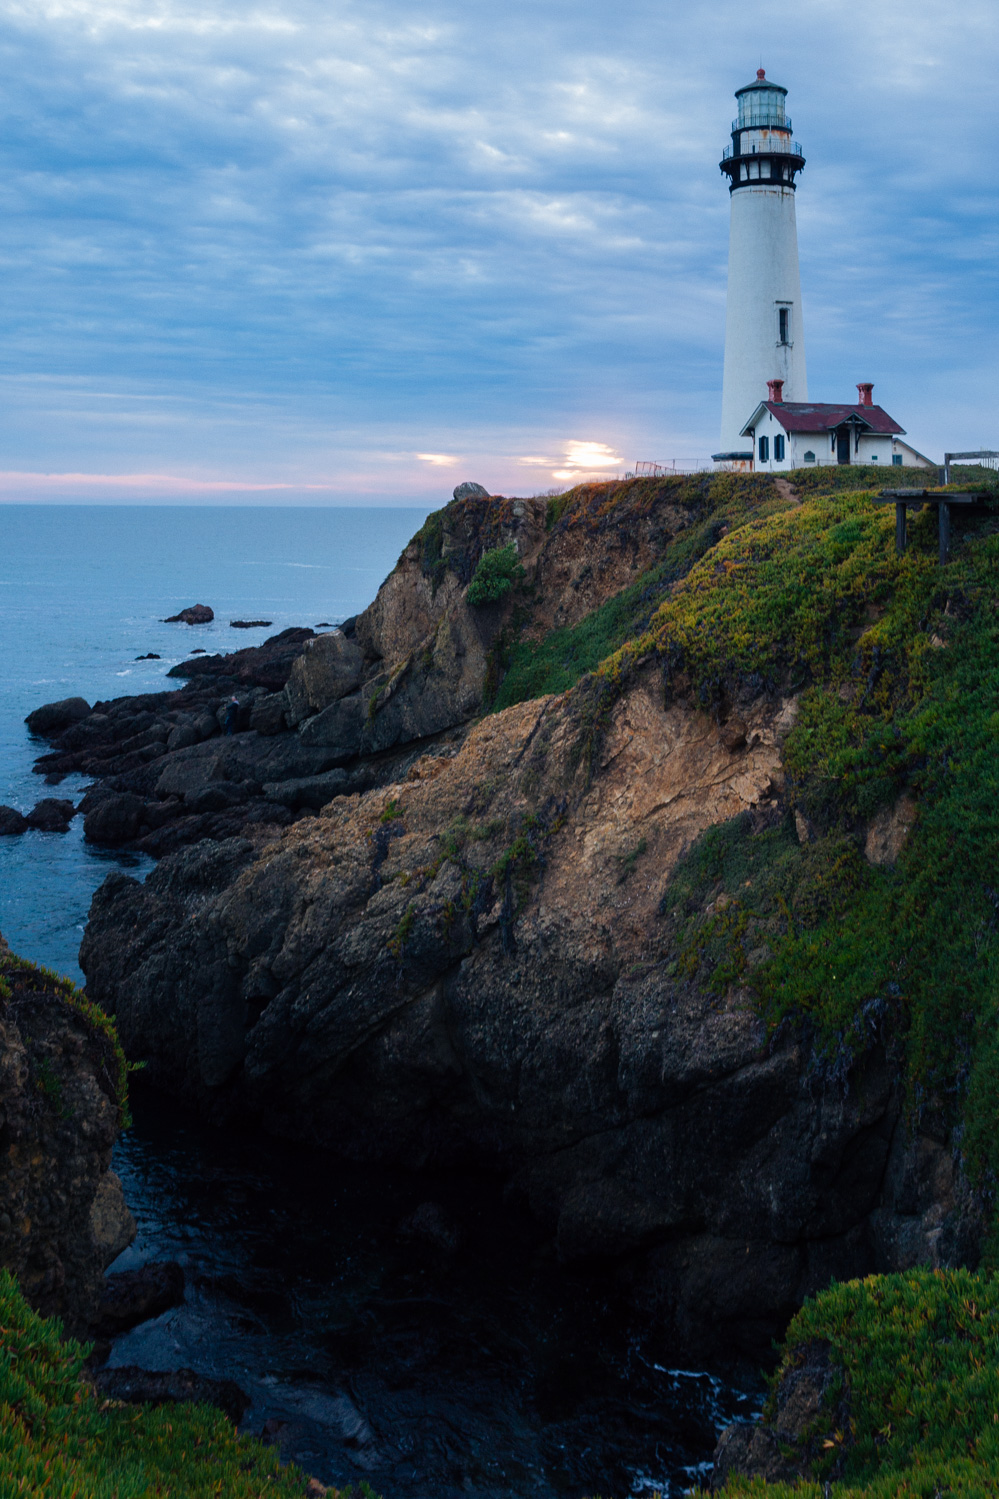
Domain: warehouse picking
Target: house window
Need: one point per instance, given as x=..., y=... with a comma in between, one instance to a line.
x=809, y=456
x=896, y=459
x=764, y=449
x=783, y=325
x=779, y=449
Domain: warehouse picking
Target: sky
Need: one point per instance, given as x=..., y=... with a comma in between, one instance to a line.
x=324, y=252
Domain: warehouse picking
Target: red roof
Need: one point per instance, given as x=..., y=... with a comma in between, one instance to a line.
x=808, y=416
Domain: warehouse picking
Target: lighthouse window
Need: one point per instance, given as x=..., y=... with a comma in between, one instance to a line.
x=778, y=448
x=784, y=325
x=764, y=449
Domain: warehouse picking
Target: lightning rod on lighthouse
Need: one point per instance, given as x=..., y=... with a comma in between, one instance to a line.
x=764, y=333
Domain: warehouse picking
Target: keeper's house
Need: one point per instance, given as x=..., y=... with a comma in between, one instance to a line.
x=794, y=434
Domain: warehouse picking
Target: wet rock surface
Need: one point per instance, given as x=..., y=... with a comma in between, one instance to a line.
x=196, y=614
x=134, y=1386
x=134, y=1296
x=63, y=1217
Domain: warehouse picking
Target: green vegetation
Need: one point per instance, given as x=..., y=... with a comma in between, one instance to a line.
x=29, y=978
x=497, y=573
x=713, y=503
x=59, y=1439
x=913, y=1408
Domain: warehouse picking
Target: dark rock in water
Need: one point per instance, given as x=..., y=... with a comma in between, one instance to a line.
x=430, y=1224
x=115, y=819
x=52, y=718
x=51, y=815
x=324, y=624
x=199, y=650
x=250, y=624
x=470, y=491
x=137, y=1386
x=12, y=822
x=134, y=1296
x=264, y=665
x=150, y=656
x=63, y=1217
x=197, y=614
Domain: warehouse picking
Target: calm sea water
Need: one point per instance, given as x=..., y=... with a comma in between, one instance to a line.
x=496, y=1372
x=83, y=592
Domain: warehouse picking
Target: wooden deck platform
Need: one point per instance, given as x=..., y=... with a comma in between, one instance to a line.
x=942, y=499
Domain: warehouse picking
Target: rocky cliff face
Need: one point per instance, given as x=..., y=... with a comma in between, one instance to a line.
x=63, y=1218
x=499, y=955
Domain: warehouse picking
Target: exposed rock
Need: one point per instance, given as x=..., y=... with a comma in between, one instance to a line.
x=470, y=491
x=267, y=715
x=307, y=791
x=196, y=614
x=330, y=667
x=136, y=1386
x=12, y=822
x=134, y=1296
x=115, y=819
x=51, y=718
x=888, y=831
x=264, y=665
x=781, y=1448
x=62, y=1216
x=250, y=624
x=149, y=656
x=51, y=815
x=353, y=985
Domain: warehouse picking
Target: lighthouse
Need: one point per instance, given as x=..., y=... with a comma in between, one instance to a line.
x=764, y=333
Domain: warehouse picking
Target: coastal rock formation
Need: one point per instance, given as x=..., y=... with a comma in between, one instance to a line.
x=471, y=967
x=196, y=614
x=63, y=1217
x=12, y=822
x=52, y=718
x=531, y=942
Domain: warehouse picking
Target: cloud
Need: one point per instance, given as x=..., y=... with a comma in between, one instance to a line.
x=312, y=243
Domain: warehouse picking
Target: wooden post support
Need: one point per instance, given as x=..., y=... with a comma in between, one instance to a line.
x=900, y=528
x=943, y=509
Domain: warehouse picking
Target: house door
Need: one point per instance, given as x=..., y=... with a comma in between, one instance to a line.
x=843, y=445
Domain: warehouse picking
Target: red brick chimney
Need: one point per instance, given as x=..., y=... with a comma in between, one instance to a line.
x=866, y=393
x=776, y=389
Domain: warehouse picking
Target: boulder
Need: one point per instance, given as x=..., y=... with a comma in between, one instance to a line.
x=115, y=819
x=307, y=791
x=112, y=1226
x=134, y=1296
x=136, y=1386
x=196, y=614
x=52, y=718
x=150, y=656
x=250, y=624
x=12, y=822
x=267, y=715
x=51, y=815
x=329, y=668
x=470, y=491
x=183, y=736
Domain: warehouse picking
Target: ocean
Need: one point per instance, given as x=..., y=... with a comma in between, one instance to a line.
x=84, y=590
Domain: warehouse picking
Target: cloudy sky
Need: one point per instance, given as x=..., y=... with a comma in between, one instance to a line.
x=325, y=251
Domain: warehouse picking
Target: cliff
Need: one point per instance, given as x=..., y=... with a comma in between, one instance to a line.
x=667, y=897
x=63, y=1218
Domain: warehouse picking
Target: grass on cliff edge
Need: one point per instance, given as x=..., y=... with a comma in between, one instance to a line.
x=58, y=1439
x=918, y=1358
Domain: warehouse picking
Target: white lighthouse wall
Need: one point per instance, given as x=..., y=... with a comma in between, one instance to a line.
x=763, y=275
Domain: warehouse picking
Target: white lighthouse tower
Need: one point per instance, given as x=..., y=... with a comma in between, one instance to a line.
x=764, y=334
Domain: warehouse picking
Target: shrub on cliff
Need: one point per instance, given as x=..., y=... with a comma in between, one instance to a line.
x=58, y=1438
x=495, y=576
x=911, y=1401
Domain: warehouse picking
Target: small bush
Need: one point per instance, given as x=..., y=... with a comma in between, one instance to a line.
x=497, y=573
